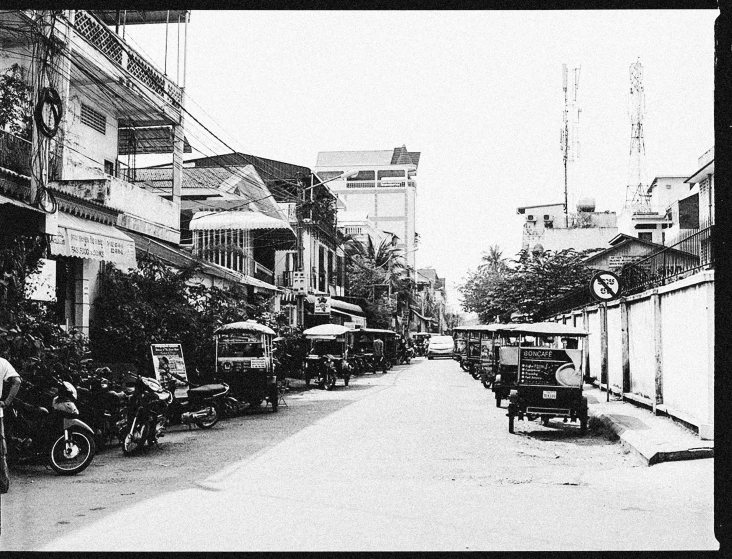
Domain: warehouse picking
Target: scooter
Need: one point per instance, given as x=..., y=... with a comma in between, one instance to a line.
x=202, y=407
x=57, y=437
x=327, y=373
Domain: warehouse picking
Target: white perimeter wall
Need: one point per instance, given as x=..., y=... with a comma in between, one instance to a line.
x=687, y=348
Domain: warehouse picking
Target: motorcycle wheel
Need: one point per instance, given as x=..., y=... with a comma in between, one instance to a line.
x=135, y=438
x=330, y=382
x=211, y=419
x=487, y=381
x=68, y=459
x=229, y=407
x=346, y=379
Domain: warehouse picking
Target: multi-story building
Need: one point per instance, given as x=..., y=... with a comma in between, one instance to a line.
x=104, y=103
x=384, y=188
x=313, y=266
x=430, y=317
x=547, y=228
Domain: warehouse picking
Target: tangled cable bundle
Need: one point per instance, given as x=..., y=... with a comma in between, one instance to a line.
x=48, y=97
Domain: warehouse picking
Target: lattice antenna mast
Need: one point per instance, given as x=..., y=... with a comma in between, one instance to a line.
x=636, y=196
x=569, y=141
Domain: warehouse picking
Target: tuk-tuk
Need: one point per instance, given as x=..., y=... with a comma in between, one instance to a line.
x=486, y=368
x=504, y=361
x=550, y=374
x=363, y=346
x=460, y=351
x=471, y=362
x=244, y=362
x=327, y=357
x=420, y=340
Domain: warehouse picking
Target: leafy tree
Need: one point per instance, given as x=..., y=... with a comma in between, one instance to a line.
x=29, y=336
x=158, y=304
x=15, y=102
x=524, y=284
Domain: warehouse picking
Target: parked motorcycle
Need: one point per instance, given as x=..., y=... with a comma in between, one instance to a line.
x=57, y=437
x=327, y=373
x=203, y=406
x=146, y=414
x=405, y=355
x=103, y=407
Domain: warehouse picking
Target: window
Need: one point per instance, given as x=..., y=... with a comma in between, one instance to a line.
x=391, y=173
x=109, y=167
x=363, y=176
x=645, y=237
x=645, y=226
x=93, y=119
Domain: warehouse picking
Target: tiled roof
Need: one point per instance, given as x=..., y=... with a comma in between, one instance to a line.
x=403, y=157
x=397, y=156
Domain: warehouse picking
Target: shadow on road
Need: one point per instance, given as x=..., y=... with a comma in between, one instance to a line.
x=565, y=432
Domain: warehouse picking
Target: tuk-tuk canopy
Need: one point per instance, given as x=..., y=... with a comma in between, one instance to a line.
x=548, y=329
x=246, y=326
x=329, y=330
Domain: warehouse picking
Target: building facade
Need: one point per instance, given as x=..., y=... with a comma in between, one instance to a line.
x=384, y=188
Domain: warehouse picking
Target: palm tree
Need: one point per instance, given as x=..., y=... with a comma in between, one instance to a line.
x=493, y=259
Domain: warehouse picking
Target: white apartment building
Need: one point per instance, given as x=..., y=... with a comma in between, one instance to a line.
x=384, y=189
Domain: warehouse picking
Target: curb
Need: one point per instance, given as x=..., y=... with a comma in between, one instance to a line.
x=648, y=451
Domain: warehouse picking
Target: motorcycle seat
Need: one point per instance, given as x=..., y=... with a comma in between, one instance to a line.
x=206, y=390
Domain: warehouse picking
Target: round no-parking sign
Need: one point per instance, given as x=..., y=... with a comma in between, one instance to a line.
x=605, y=286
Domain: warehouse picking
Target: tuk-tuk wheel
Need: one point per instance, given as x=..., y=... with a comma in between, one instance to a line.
x=545, y=420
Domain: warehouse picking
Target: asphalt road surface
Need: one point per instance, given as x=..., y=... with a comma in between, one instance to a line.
x=418, y=459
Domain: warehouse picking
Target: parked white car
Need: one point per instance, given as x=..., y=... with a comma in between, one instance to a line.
x=440, y=346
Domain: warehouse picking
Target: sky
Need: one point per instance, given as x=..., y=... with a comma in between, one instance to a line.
x=479, y=94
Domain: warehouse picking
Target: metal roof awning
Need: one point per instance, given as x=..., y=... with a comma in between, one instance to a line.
x=83, y=238
x=246, y=221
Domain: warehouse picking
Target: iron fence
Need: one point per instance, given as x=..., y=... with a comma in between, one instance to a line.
x=688, y=255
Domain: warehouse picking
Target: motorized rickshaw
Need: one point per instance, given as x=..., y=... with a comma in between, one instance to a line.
x=244, y=362
x=504, y=361
x=550, y=374
x=471, y=362
x=487, y=366
x=328, y=357
x=363, y=346
x=460, y=336
x=420, y=339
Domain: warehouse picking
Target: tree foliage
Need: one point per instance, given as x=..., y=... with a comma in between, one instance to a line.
x=158, y=304
x=15, y=102
x=30, y=338
x=498, y=288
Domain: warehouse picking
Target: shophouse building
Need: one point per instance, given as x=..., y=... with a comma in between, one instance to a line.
x=113, y=103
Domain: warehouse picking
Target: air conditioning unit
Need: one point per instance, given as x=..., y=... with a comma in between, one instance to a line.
x=548, y=217
x=530, y=217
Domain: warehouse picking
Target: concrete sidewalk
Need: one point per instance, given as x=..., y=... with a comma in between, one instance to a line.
x=653, y=438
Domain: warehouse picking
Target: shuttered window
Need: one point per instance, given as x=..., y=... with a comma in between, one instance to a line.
x=93, y=119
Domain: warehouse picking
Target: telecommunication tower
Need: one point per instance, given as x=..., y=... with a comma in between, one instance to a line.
x=569, y=138
x=636, y=197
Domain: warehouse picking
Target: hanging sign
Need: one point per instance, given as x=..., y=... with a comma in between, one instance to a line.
x=605, y=286
x=322, y=304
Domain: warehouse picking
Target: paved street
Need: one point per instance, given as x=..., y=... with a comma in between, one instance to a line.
x=418, y=459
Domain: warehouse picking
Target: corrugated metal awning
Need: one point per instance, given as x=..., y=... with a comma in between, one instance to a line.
x=246, y=221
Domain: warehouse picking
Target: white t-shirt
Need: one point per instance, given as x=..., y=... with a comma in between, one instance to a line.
x=6, y=371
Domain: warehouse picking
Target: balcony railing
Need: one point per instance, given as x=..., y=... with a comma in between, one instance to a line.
x=687, y=256
x=263, y=273
x=285, y=279
x=379, y=183
x=120, y=53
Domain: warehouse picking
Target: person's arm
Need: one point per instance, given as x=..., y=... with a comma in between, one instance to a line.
x=14, y=383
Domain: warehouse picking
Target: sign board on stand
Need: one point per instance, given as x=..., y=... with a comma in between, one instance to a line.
x=322, y=304
x=169, y=358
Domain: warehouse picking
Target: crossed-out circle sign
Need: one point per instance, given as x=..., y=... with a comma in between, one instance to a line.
x=605, y=286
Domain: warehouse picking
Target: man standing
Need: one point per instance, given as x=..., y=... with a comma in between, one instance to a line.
x=379, y=354
x=10, y=375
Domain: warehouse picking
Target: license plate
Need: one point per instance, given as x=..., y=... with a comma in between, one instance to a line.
x=550, y=394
